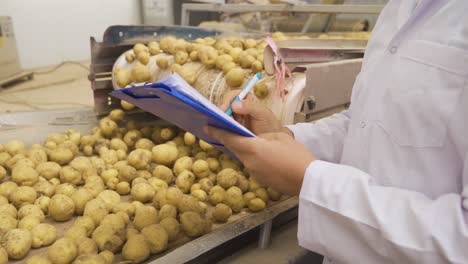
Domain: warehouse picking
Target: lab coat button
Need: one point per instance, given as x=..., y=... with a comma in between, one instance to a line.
x=393, y=49
x=363, y=124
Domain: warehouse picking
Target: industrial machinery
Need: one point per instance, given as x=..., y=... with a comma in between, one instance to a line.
x=10, y=67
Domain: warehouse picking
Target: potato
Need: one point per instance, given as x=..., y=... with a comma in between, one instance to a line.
x=3, y=173
x=182, y=164
x=37, y=155
x=257, y=66
x=154, y=48
x=4, y=157
x=222, y=60
x=94, y=187
x=123, y=77
x=246, y=61
x=164, y=173
x=43, y=235
x=108, y=256
x=261, y=90
x=242, y=183
x=142, y=192
x=110, y=198
x=143, y=58
x=208, y=56
x=195, y=186
x=256, y=205
x=68, y=174
x=8, y=188
x=22, y=196
x=273, y=194
x=61, y=208
x=162, y=63
x=221, y=213
x=117, y=115
x=139, y=47
x=7, y=223
x=145, y=144
x=193, y=224
x=127, y=173
x=200, y=169
x=32, y=210
x=3, y=200
x=206, y=184
x=109, y=237
x=227, y=178
x=185, y=180
x=126, y=105
x=188, y=203
x=129, y=57
x=43, y=203
x=141, y=73
x=24, y=175
x=172, y=227
x=248, y=196
x=145, y=216
x=139, y=159
x=119, y=221
x=170, y=196
x=28, y=222
x=37, y=260
x=189, y=75
x=181, y=57
x=166, y=43
x=189, y=139
x=262, y=194
x=193, y=55
x=157, y=237
x=80, y=198
x=123, y=188
x=165, y=154
x=200, y=195
x=217, y=195
x=86, y=222
x=90, y=259
x=14, y=147
x=136, y=249
x=63, y=251
x=66, y=189
x=167, y=211
x=60, y=155
x=235, y=77
x=157, y=184
x=205, y=146
x=3, y=256
x=234, y=199
x=44, y=188
x=17, y=243
x=235, y=54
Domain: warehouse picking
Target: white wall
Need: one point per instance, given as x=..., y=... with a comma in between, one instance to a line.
x=51, y=31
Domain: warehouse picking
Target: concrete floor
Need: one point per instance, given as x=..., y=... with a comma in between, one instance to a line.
x=68, y=87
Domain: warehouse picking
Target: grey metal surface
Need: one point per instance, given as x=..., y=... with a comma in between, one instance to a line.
x=316, y=8
x=264, y=237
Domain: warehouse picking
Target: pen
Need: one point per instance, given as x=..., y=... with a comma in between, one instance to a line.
x=247, y=88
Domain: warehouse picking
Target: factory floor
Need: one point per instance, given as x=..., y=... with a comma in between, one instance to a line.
x=67, y=86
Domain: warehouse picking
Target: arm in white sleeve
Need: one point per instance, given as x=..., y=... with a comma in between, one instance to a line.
x=345, y=216
x=325, y=137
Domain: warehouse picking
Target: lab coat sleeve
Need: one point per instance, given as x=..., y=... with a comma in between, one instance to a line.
x=344, y=215
x=325, y=137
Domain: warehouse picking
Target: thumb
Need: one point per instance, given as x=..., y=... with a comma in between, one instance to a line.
x=249, y=107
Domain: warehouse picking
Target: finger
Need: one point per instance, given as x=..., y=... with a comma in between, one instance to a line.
x=228, y=98
x=234, y=142
x=250, y=107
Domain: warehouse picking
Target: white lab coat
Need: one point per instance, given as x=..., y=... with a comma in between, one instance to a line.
x=391, y=182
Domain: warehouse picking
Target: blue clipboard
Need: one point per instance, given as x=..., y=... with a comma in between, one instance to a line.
x=164, y=100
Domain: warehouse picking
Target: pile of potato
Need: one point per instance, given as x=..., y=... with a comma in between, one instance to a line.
x=135, y=189
x=236, y=58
